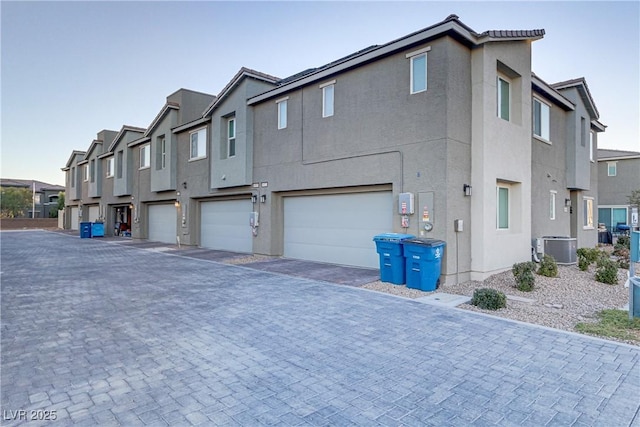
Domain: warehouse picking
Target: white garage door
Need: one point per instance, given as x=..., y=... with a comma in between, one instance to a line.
x=162, y=223
x=224, y=225
x=94, y=213
x=75, y=221
x=338, y=228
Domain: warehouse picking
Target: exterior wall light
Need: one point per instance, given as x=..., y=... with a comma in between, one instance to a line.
x=263, y=198
x=466, y=188
x=254, y=198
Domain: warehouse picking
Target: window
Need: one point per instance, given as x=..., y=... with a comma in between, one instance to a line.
x=73, y=177
x=611, y=217
x=327, y=98
x=583, y=131
x=504, y=101
x=119, y=163
x=552, y=205
x=231, y=137
x=419, y=73
x=503, y=208
x=541, y=119
x=161, y=153
x=587, y=203
x=198, y=140
x=145, y=156
x=37, y=198
x=612, y=168
x=282, y=113
x=109, y=167
x=591, y=145
x=86, y=172
x=92, y=170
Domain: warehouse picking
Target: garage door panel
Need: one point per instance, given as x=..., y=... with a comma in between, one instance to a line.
x=75, y=222
x=336, y=228
x=94, y=213
x=162, y=223
x=224, y=225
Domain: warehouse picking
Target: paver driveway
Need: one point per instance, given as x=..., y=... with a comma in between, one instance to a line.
x=110, y=335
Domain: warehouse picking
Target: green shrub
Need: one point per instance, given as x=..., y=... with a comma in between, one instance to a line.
x=607, y=272
x=523, y=273
x=623, y=242
x=587, y=256
x=489, y=299
x=548, y=266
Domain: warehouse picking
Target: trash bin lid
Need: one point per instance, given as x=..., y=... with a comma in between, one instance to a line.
x=424, y=242
x=392, y=237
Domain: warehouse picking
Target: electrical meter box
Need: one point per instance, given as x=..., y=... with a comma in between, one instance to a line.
x=405, y=204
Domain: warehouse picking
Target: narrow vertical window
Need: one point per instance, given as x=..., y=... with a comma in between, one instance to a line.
x=419, y=73
x=612, y=168
x=503, y=99
x=86, y=172
x=591, y=145
x=282, y=113
x=552, y=205
x=145, y=156
x=583, y=131
x=110, y=167
x=231, y=137
x=327, y=100
x=73, y=177
x=588, y=212
x=541, y=119
x=503, y=208
x=119, y=165
x=161, y=153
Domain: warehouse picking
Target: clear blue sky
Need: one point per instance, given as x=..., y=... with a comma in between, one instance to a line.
x=71, y=69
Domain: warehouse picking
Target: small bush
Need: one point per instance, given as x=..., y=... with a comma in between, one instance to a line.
x=548, y=266
x=489, y=299
x=523, y=273
x=607, y=272
x=624, y=242
x=587, y=256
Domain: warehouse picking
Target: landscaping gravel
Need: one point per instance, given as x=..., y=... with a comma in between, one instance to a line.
x=562, y=302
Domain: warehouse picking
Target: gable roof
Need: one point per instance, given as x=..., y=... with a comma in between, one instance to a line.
x=71, y=157
x=29, y=183
x=450, y=26
x=123, y=130
x=581, y=85
x=240, y=75
x=156, y=121
x=607, y=154
x=93, y=145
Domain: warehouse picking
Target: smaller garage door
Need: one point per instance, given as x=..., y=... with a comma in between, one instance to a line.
x=224, y=225
x=338, y=229
x=94, y=213
x=75, y=221
x=162, y=223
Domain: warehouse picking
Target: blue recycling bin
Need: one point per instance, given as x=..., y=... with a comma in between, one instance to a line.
x=85, y=230
x=423, y=259
x=389, y=248
x=97, y=229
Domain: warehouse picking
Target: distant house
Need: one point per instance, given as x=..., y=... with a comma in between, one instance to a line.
x=618, y=176
x=45, y=196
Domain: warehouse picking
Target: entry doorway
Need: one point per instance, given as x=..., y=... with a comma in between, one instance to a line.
x=122, y=221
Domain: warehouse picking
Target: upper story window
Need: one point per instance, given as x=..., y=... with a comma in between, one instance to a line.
x=231, y=137
x=282, y=113
x=92, y=170
x=612, y=168
x=504, y=98
x=145, y=156
x=552, y=205
x=110, y=167
x=541, y=119
x=198, y=141
x=583, y=131
x=120, y=163
x=161, y=153
x=418, y=77
x=591, y=146
x=86, y=172
x=327, y=98
x=73, y=177
x=502, y=217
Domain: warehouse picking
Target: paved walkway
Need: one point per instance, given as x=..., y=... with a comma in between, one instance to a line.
x=107, y=334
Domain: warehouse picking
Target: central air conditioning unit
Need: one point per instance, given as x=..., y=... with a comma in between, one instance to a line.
x=562, y=249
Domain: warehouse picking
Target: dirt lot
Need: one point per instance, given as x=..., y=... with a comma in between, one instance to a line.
x=22, y=223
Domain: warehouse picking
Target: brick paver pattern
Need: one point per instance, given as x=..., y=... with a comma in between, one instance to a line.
x=105, y=334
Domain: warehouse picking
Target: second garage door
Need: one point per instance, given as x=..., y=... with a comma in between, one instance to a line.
x=224, y=225
x=75, y=221
x=162, y=223
x=337, y=228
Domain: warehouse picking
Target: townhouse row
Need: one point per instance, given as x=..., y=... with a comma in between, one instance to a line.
x=444, y=125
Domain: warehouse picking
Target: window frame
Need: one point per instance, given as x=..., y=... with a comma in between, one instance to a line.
x=86, y=172
x=552, y=204
x=281, y=105
x=120, y=164
x=328, y=87
x=145, y=155
x=543, y=107
x=615, y=168
x=591, y=145
x=110, y=167
x=200, y=145
x=161, y=156
x=500, y=97
x=587, y=205
x=73, y=177
x=499, y=211
x=231, y=140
